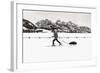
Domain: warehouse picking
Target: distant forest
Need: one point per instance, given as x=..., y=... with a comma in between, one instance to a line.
x=46, y=24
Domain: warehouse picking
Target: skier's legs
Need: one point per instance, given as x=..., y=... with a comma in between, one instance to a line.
x=53, y=41
x=58, y=41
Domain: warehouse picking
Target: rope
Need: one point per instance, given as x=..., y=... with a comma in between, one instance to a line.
x=64, y=41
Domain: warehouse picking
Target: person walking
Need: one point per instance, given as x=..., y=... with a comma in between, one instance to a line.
x=55, y=33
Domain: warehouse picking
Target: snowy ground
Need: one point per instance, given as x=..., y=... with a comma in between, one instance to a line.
x=37, y=47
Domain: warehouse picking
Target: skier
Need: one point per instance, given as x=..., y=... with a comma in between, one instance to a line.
x=55, y=37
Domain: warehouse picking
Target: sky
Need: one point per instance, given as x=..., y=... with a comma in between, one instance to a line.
x=81, y=19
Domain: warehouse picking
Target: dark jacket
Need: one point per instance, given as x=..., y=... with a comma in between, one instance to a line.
x=55, y=34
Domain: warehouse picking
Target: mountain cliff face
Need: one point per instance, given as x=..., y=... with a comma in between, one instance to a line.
x=28, y=26
x=61, y=26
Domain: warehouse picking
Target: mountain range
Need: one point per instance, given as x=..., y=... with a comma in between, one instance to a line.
x=61, y=26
